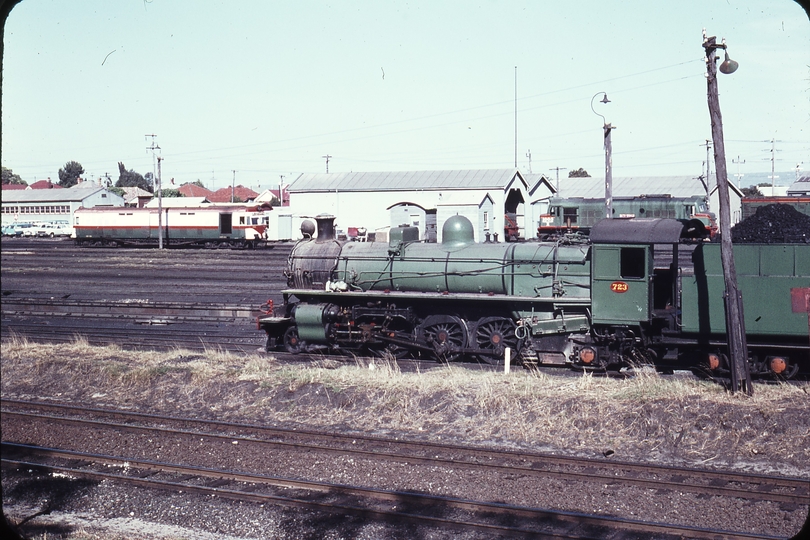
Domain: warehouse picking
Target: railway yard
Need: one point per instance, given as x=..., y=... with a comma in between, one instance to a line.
x=138, y=402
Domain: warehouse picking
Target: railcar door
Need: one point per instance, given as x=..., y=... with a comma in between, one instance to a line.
x=225, y=223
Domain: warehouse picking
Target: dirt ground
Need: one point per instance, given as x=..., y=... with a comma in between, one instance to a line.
x=675, y=420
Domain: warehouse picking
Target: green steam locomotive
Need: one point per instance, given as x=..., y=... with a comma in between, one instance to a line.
x=636, y=291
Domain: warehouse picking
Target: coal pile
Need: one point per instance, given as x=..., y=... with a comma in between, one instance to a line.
x=773, y=224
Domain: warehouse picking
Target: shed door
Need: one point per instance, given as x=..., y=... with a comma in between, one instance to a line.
x=225, y=223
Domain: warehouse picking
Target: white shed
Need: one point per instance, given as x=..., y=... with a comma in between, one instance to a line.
x=377, y=201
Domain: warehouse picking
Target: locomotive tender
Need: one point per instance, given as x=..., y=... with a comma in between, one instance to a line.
x=210, y=226
x=636, y=291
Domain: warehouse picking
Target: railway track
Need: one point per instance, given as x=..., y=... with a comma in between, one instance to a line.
x=477, y=462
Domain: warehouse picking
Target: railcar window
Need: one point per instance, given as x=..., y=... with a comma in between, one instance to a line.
x=633, y=263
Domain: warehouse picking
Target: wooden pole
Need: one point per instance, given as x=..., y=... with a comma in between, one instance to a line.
x=735, y=325
x=608, y=128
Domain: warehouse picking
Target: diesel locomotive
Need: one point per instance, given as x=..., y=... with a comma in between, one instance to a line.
x=579, y=214
x=636, y=291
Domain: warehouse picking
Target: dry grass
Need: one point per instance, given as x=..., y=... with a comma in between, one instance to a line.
x=647, y=416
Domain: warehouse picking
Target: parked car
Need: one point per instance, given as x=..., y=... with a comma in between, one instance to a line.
x=8, y=230
x=53, y=229
x=24, y=229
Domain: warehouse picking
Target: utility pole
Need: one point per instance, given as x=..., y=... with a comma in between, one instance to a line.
x=516, y=131
x=735, y=324
x=233, y=186
x=558, y=169
x=153, y=147
x=607, y=129
x=708, y=145
x=281, y=189
x=739, y=176
x=160, y=206
x=773, y=176
x=327, y=157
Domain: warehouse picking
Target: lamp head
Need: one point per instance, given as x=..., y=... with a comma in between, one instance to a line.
x=606, y=100
x=728, y=66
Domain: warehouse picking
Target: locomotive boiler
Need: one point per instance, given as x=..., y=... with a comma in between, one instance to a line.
x=635, y=291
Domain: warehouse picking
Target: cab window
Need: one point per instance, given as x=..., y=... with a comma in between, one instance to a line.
x=633, y=263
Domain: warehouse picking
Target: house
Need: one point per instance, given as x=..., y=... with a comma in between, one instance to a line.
x=137, y=197
x=194, y=190
x=234, y=193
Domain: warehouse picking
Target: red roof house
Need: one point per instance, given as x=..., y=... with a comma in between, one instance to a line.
x=193, y=190
x=239, y=192
x=45, y=184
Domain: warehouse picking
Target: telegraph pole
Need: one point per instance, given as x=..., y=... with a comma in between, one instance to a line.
x=233, y=186
x=516, y=131
x=558, y=169
x=735, y=324
x=327, y=157
x=153, y=148
x=160, y=206
x=773, y=176
x=607, y=129
x=739, y=175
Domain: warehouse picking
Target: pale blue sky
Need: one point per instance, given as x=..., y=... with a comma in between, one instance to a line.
x=267, y=88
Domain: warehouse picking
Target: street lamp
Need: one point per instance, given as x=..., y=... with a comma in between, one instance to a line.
x=735, y=324
x=608, y=157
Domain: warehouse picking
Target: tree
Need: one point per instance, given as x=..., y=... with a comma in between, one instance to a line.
x=70, y=174
x=130, y=178
x=171, y=193
x=10, y=178
x=751, y=191
x=579, y=173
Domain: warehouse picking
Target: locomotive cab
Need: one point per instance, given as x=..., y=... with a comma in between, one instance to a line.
x=633, y=287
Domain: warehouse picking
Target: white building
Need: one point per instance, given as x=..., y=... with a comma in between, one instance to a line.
x=29, y=205
x=377, y=201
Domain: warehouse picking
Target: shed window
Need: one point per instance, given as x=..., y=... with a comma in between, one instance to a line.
x=633, y=263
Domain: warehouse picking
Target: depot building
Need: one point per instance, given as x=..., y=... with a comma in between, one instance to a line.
x=367, y=205
x=51, y=205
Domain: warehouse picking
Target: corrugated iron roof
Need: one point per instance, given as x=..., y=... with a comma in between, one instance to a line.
x=403, y=180
x=50, y=195
x=633, y=186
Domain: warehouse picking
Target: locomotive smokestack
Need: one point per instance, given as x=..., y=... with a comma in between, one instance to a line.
x=326, y=227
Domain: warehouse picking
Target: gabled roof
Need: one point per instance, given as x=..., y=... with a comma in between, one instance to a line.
x=224, y=194
x=73, y=194
x=534, y=182
x=15, y=187
x=193, y=190
x=45, y=184
x=135, y=192
x=800, y=187
x=406, y=180
x=633, y=186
